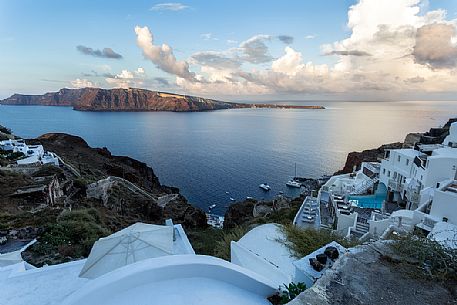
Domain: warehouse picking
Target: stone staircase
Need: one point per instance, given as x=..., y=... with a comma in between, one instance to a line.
x=364, y=186
x=362, y=227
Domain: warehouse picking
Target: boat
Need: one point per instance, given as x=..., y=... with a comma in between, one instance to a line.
x=292, y=182
x=232, y=199
x=249, y=198
x=227, y=193
x=281, y=192
x=212, y=206
x=265, y=186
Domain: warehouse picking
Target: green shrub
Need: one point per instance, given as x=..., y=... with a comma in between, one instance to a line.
x=72, y=236
x=48, y=170
x=305, y=241
x=292, y=291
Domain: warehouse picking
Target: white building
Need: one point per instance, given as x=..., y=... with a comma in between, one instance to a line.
x=34, y=154
x=444, y=203
x=409, y=173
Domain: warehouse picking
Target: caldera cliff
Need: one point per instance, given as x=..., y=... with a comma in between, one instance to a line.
x=132, y=99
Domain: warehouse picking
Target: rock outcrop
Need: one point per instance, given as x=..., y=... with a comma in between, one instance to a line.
x=354, y=159
x=132, y=99
x=368, y=275
x=97, y=164
x=433, y=136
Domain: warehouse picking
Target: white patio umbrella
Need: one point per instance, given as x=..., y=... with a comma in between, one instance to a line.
x=135, y=243
x=10, y=258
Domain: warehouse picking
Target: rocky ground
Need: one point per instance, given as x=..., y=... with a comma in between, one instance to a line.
x=134, y=195
x=370, y=275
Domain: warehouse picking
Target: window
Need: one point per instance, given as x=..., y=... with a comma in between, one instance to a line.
x=407, y=162
x=383, y=171
x=388, y=173
x=398, y=158
x=395, y=175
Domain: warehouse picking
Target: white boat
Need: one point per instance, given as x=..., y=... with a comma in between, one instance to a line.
x=292, y=182
x=232, y=199
x=249, y=198
x=265, y=187
x=212, y=206
x=227, y=193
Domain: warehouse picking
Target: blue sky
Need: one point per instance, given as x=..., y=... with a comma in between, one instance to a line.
x=39, y=39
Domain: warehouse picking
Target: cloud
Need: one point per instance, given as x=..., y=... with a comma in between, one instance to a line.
x=162, y=56
x=255, y=49
x=170, y=6
x=82, y=83
x=388, y=54
x=310, y=36
x=348, y=53
x=286, y=39
x=214, y=59
x=414, y=80
x=135, y=79
x=434, y=46
x=208, y=36
x=105, y=53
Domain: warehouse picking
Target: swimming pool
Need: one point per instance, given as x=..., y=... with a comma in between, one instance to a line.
x=371, y=201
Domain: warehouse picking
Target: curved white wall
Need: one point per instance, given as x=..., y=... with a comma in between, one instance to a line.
x=188, y=277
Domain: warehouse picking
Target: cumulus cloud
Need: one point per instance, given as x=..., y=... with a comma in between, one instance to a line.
x=394, y=47
x=255, y=50
x=208, y=36
x=215, y=59
x=310, y=36
x=162, y=56
x=348, y=53
x=414, y=80
x=135, y=79
x=105, y=53
x=286, y=39
x=434, y=45
x=82, y=83
x=169, y=6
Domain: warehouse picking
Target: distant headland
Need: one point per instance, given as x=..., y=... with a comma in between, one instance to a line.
x=133, y=99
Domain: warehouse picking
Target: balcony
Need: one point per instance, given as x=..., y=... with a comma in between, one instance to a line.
x=394, y=185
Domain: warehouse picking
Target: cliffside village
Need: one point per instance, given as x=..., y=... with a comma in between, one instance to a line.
x=20, y=157
x=410, y=188
x=413, y=188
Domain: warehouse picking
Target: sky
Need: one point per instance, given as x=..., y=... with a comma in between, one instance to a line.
x=234, y=50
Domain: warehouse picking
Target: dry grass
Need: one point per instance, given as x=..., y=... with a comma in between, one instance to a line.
x=428, y=257
x=304, y=241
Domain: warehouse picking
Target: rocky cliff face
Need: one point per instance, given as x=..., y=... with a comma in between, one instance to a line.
x=64, y=97
x=355, y=158
x=98, y=163
x=96, y=99
x=433, y=136
x=132, y=99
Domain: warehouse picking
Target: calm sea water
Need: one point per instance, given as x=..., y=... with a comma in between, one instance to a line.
x=211, y=153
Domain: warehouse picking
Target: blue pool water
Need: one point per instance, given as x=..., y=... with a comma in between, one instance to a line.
x=372, y=201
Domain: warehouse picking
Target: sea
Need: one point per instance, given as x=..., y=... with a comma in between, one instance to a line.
x=221, y=157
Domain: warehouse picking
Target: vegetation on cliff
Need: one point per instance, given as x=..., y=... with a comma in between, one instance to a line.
x=66, y=220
